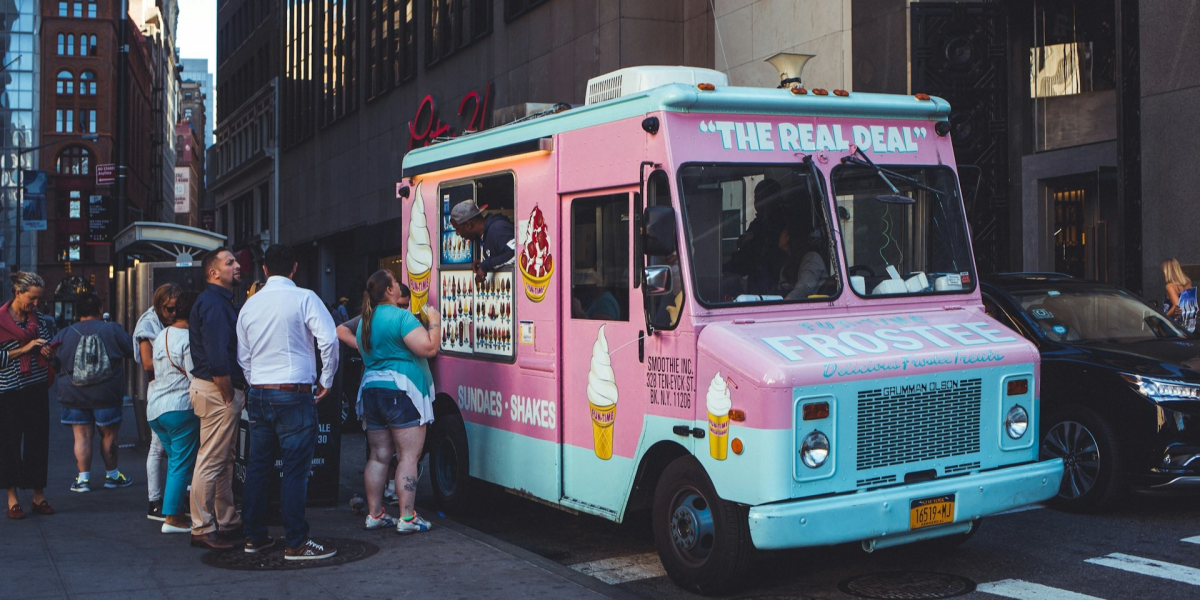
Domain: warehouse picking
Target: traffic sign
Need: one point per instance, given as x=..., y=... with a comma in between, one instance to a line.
x=106, y=174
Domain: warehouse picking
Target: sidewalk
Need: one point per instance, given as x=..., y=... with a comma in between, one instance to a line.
x=101, y=545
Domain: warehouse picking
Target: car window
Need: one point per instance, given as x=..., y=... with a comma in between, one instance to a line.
x=994, y=311
x=1095, y=315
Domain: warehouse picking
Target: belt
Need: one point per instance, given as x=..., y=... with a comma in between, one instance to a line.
x=285, y=387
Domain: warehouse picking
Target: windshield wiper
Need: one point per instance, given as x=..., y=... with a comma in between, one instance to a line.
x=865, y=161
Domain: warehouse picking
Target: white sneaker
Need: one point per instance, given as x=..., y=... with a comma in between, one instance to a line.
x=168, y=528
x=383, y=522
x=416, y=525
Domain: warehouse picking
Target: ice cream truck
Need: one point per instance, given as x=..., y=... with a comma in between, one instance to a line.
x=752, y=312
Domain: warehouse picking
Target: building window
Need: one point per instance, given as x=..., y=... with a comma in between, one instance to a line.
x=339, y=63
x=87, y=45
x=75, y=209
x=91, y=9
x=74, y=160
x=392, y=40
x=78, y=12
x=66, y=44
x=62, y=9
x=516, y=8
x=87, y=121
x=87, y=83
x=65, y=83
x=299, y=89
x=64, y=121
x=453, y=25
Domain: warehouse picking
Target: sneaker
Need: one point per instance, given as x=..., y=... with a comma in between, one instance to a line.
x=253, y=547
x=154, y=513
x=81, y=485
x=309, y=550
x=119, y=481
x=384, y=521
x=389, y=495
x=416, y=525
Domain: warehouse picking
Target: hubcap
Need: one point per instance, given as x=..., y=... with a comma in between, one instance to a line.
x=1073, y=443
x=692, y=529
x=446, y=467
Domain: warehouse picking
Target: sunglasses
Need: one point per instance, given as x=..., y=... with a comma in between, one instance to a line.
x=169, y=309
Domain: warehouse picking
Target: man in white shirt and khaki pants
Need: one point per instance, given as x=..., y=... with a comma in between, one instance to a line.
x=276, y=330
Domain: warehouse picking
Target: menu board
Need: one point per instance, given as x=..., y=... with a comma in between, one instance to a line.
x=456, y=250
x=477, y=320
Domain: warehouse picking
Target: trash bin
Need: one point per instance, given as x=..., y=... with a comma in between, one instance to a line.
x=324, y=478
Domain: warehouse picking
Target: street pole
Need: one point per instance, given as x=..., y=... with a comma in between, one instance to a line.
x=122, y=113
x=20, y=211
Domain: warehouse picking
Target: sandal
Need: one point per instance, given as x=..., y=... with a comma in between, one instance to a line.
x=16, y=512
x=42, y=508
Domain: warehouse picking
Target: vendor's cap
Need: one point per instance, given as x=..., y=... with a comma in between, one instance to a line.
x=343, y=299
x=465, y=211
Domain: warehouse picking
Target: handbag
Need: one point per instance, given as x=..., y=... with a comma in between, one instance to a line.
x=167, y=346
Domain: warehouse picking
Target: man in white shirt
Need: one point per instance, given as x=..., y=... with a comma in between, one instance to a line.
x=276, y=331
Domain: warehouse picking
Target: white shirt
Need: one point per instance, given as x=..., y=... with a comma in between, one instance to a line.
x=147, y=328
x=275, y=332
x=169, y=390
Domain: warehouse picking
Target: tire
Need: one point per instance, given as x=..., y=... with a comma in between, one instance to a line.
x=449, y=465
x=1093, y=473
x=702, y=540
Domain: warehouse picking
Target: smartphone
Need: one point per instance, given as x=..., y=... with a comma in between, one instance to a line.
x=54, y=345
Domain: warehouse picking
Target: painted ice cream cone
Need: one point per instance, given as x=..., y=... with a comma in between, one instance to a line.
x=602, y=397
x=719, y=404
x=418, y=257
x=536, y=263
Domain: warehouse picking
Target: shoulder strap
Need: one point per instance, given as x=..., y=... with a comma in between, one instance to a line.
x=167, y=347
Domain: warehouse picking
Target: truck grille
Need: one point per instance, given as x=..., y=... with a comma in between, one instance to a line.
x=908, y=423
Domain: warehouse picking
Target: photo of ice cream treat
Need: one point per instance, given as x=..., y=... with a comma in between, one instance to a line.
x=536, y=263
x=602, y=397
x=418, y=255
x=719, y=404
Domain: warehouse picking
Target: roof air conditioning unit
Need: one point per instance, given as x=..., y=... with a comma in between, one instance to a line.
x=632, y=80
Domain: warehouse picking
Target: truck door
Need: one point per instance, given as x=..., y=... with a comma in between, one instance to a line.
x=602, y=373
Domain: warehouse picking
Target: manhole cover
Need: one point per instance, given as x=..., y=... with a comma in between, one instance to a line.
x=907, y=586
x=272, y=560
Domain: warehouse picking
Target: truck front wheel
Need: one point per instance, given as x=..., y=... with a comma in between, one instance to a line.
x=702, y=540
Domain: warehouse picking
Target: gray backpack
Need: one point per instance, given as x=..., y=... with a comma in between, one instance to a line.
x=91, y=361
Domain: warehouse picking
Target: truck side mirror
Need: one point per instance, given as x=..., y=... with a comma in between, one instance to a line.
x=658, y=280
x=660, y=231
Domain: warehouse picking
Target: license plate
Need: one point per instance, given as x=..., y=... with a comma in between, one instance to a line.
x=928, y=512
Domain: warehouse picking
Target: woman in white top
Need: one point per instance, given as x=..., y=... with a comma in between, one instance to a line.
x=169, y=410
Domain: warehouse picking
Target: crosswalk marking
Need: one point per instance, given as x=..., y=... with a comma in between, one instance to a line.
x=1024, y=590
x=1146, y=566
x=1192, y=540
x=624, y=568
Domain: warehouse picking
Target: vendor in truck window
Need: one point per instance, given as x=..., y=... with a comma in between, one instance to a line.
x=494, y=232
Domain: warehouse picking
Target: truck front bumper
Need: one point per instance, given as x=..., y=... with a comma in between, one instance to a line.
x=883, y=515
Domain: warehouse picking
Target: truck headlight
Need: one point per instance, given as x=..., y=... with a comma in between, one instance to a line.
x=814, y=450
x=1016, y=422
x=1159, y=390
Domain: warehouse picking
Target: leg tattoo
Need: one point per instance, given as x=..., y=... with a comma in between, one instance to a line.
x=410, y=484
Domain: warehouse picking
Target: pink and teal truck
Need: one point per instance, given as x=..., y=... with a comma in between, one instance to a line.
x=752, y=312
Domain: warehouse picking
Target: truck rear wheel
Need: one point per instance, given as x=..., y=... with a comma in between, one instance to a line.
x=702, y=540
x=450, y=464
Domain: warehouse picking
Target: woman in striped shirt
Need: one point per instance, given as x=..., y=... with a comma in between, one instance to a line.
x=24, y=394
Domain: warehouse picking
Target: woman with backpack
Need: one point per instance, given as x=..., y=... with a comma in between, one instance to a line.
x=169, y=410
x=24, y=394
x=91, y=386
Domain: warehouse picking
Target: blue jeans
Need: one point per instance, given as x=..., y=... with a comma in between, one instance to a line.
x=283, y=422
x=179, y=432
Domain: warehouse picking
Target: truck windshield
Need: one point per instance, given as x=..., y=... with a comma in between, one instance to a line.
x=758, y=233
x=903, y=230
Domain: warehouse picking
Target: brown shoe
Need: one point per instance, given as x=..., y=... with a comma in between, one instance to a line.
x=212, y=541
x=16, y=512
x=42, y=508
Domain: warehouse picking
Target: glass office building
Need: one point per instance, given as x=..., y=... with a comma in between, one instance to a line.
x=19, y=100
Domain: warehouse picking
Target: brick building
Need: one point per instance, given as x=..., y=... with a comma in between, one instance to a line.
x=189, y=157
x=79, y=46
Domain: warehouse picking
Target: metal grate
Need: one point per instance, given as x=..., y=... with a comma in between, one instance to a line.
x=871, y=481
x=908, y=423
x=951, y=470
x=605, y=89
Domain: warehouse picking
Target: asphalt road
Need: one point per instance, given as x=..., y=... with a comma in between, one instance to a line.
x=1149, y=547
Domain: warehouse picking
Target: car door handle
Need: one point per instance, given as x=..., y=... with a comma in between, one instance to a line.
x=684, y=430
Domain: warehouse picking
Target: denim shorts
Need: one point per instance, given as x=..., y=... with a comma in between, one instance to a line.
x=101, y=417
x=388, y=409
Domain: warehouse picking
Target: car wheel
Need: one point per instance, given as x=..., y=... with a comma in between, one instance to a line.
x=449, y=464
x=702, y=540
x=1092, y=466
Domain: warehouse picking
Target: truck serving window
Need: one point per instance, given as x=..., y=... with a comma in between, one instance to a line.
x=903, y=231
x=758, y=233
x=477, y=318
x=600, y=258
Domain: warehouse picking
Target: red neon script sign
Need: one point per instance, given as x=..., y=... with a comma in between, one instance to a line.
x=426, y=126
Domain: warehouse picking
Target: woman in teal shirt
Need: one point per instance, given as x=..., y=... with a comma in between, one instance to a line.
x=395, y=400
